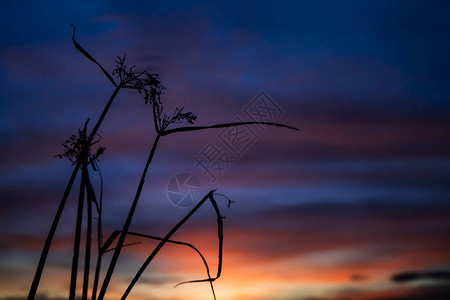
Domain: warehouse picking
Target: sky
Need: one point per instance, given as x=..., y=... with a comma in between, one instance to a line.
x=355, y=205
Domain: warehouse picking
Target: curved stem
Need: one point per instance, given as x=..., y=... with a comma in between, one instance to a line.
x=85, y=53
x=220, y=238
x=224, y=125
x=117, y=232
x=161, y=244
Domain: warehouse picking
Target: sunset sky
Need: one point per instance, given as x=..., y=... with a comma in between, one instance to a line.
x=337, y=210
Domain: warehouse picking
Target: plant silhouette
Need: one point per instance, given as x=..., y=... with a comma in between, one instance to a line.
x=78, y=150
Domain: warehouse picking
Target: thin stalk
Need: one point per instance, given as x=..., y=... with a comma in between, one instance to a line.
x=102, y=116
x=127, y=224
x=99, y=231
x=51, y=234
x=76, y=243
x=161, y=244
x=87, y=258
x=54, y=226
x=155, y=122
x=96, y=277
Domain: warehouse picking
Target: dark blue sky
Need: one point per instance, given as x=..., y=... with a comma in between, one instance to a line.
x=361, y=189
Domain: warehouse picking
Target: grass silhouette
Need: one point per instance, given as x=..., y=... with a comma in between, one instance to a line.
x=78, y=151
